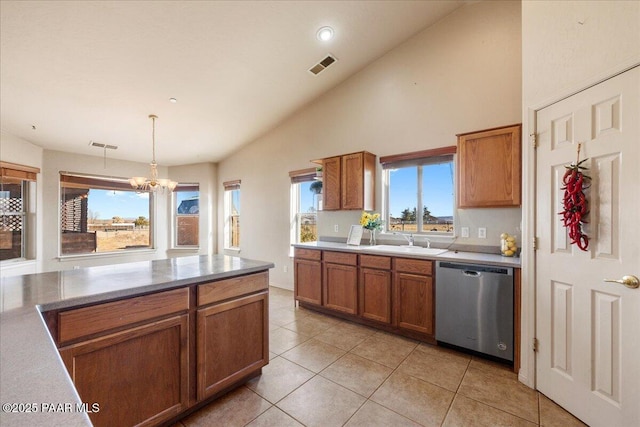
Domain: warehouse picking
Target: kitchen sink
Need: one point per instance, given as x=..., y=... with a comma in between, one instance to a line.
x=406, y=249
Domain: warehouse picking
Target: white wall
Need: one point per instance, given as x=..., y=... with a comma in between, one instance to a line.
x=566, y=46
x=460, y=75
x=22, y=152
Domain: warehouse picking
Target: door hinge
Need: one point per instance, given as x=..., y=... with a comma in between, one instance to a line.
x=533, y=139
x=535, y=345
x=535, y=244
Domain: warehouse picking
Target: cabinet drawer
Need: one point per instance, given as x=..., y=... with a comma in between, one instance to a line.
x=307, y=254
x=416, y=266
x=340, y=258
x=374, y=261
x=231, y=288
x=81, y=322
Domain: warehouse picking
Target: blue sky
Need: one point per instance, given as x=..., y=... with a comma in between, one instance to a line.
x=125, y=204
x=106, y=204
x=437, y=189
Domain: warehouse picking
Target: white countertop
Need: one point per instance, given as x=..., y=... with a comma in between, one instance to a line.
x=33, y=378
x=471, y=257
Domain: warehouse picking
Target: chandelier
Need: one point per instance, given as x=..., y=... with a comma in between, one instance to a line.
x=141, y=183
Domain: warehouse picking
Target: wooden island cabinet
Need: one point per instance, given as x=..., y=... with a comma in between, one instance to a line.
x=120, y=353
x=148, y=359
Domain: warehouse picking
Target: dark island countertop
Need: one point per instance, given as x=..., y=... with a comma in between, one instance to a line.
x=35, y=388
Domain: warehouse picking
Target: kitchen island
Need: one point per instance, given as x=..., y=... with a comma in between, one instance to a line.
x=86, y=312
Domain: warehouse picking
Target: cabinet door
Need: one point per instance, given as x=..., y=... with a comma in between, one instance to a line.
x=341, y=287
x=414, y=302
x=352, y=181
x=138, y=376
x=233, y=342
x=375, y=295
x=308, y=281
x=489, y=168
x=331, y=182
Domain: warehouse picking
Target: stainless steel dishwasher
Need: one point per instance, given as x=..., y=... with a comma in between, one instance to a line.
x=474, y=307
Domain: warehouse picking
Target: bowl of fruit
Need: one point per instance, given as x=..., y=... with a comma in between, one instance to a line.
x=508, y=245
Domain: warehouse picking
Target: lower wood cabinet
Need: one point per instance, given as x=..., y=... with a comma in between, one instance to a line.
x=138, y=376
x=146, y=360
x=340, y=282
x=232, y=342
x=414, y=302
x=392, y=293
x=375, y=296
x=414, y=297
x=308, y=280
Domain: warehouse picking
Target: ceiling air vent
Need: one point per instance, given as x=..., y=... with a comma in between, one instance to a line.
x=322, y=65
x=101, y=145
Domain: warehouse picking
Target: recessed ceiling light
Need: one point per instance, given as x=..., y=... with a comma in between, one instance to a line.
x=325, y=34
x=173, y=100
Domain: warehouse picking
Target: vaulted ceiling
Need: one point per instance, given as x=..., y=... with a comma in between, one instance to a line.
x=73, y=72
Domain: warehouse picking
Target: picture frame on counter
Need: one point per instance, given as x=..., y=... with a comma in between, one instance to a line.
x=355, y=235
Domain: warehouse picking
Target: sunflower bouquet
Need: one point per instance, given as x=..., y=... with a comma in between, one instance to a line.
x=371, y=221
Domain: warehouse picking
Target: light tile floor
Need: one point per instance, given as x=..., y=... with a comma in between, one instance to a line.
x=329, y=372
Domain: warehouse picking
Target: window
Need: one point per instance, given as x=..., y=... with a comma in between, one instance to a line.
x=103, y=214
x=306, y=195
x=186, y=213
x=232, y=214
x=419, y=191
x=17, y=211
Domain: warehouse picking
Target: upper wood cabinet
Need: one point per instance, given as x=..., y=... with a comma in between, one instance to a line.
x=489, y=168
x=349, y=182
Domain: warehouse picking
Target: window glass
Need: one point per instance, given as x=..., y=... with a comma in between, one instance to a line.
x=437, y=197
x=186, y=214
x=99, y=214
x=420, y=195
x=232, y=214
x=13, y=214
x=306, y=211
x=403, y=192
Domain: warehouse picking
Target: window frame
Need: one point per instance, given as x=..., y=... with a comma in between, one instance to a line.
x=27, y=177
x=229, y=188
x=100, y=182
x=418, y=159
x=298, y=177
x=175, y=216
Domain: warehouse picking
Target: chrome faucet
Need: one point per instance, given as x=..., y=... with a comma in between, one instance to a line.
x=411, y=239
x=408, y=239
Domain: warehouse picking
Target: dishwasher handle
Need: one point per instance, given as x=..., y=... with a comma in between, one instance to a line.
x=471, y=273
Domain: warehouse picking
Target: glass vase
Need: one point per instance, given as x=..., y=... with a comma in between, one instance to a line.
x=372, y=237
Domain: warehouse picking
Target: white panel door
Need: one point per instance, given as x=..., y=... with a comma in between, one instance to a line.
x=588, y=330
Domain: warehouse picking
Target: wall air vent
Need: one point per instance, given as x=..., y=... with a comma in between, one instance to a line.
x=322, y=65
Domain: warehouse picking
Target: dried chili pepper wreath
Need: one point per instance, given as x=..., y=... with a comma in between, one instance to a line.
x=576, y=205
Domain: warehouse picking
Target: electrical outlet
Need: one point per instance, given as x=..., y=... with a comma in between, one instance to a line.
x=285, y=269
x=482, y=233
x=336, y=228
x=464, y=231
